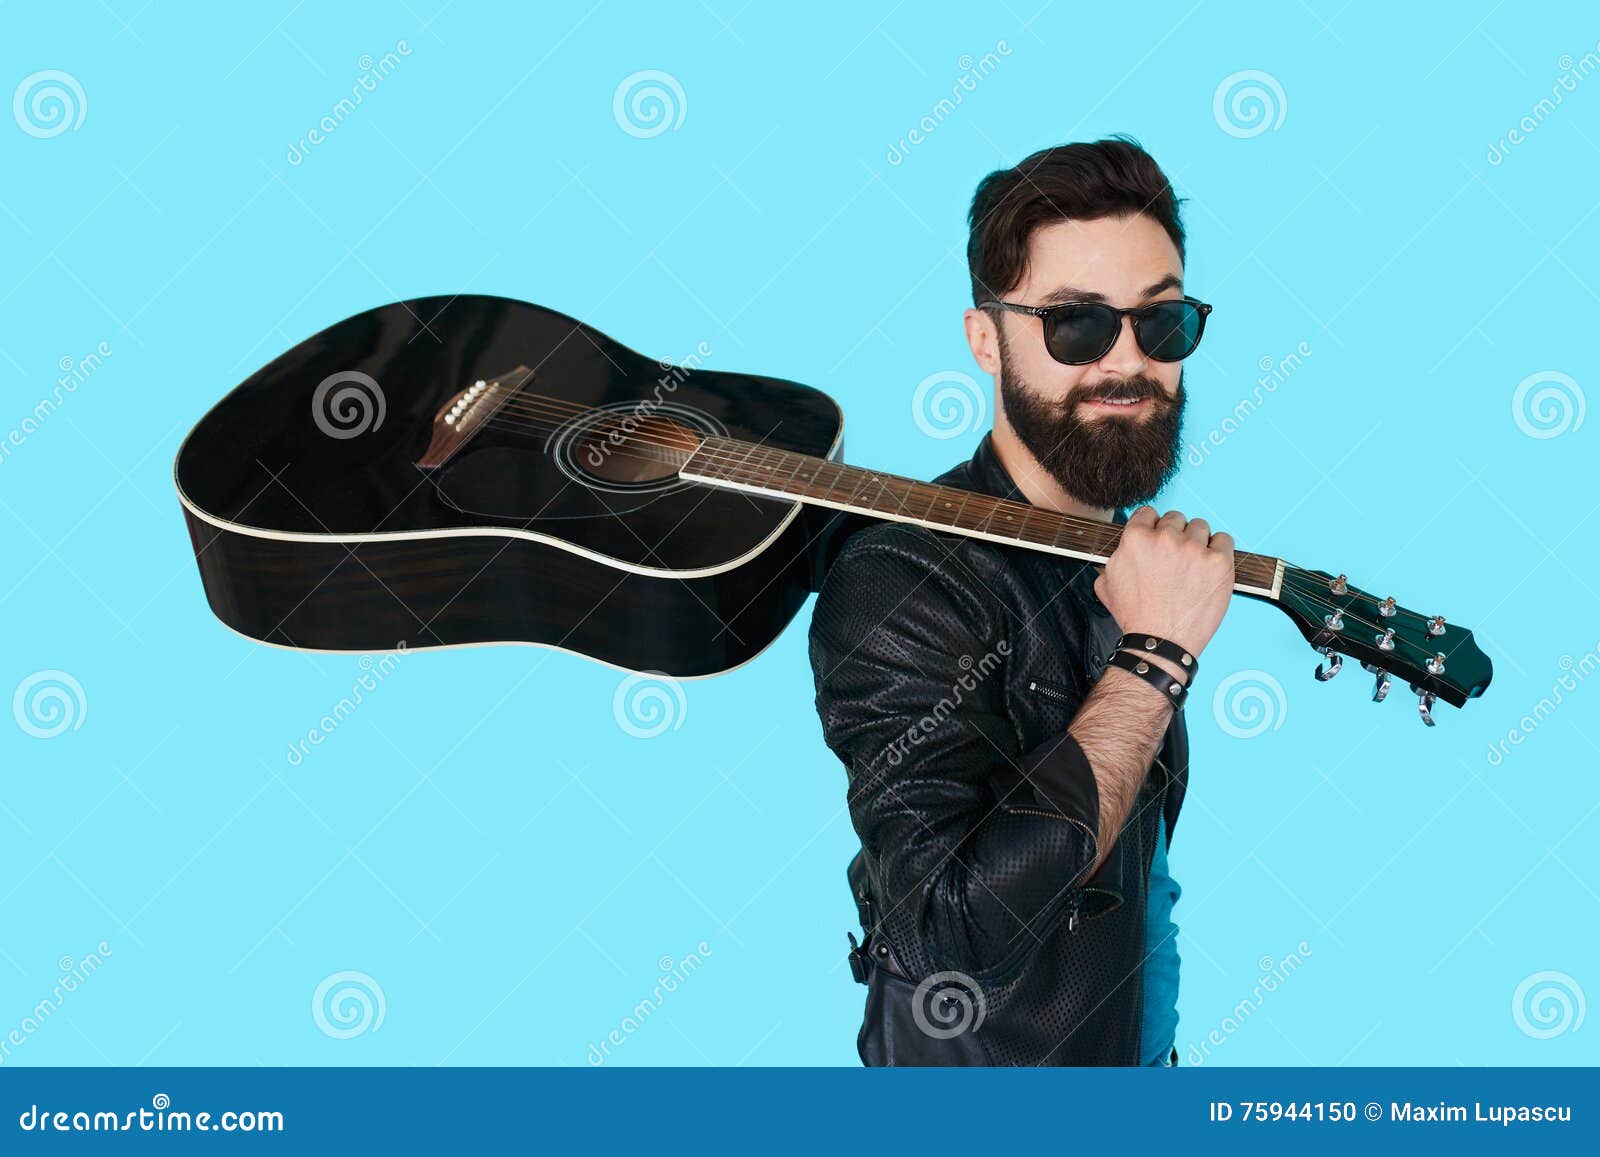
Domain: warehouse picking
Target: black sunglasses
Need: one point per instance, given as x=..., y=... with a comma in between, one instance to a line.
x=1079, y=332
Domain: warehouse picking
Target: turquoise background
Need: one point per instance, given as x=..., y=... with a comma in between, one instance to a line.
x=483, y=839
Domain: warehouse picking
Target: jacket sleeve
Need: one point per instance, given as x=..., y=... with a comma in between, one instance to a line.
x=910, y=659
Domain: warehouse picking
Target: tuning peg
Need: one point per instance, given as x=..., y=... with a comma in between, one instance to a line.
x=1385, y=641
x=1386, y=608
x=1332, y=666
x=1380, y=687
x=1334, y=622
x=1435, y=665
x=1436, y=625
x=1340, y=585
x=1425, y=702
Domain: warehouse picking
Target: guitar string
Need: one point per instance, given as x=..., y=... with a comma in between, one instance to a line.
x=1307, y=587
x=1312, y=590
x=734, y=460
x=543, y=406
x=1293, y=580
x=1316, y=592
x=532, y=405
x=1320, y=600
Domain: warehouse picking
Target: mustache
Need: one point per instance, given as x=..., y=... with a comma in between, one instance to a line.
x=1126, y=390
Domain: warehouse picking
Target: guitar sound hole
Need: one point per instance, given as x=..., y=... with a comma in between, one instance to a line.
x=610, y=461
x=631, y=450
x=625, y=448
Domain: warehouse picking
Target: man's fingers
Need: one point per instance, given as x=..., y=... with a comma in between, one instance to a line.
x=1222, y=540
x=1200, y=529
x=1144, y=516
x=1172, y=520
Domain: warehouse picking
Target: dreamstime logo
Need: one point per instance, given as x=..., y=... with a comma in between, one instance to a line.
x=348, y=1004
x=48, y=103
x=1548, y=1004
x=1248, y=703
x=1572, y=72
x=648, y=103
x=370, y=73
x=373, y=672
x=648, y=704
x=1573, y=672
x=1274, y=372
x=673, y=973
x=348, y=404
x=619, y=430
x=948, y=404
x=74, y=372
x=48, y=703
x=71, y=974
x=1248, y=103
x=965, y=683
x=1547, y=404
x=1274, y=972
x=948, y=1004
x=971, y=73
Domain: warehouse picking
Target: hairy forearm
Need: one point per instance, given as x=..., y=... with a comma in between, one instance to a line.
x=1119, y=727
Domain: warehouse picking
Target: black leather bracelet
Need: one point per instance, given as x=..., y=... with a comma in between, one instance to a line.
x=1172, y=690
x=1155, y=645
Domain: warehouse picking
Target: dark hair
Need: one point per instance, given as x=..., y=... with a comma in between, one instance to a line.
x=1081, y=181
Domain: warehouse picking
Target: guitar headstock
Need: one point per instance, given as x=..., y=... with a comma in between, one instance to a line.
x=1435, y=658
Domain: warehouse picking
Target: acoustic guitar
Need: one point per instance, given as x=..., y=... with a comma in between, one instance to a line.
x=475, y=470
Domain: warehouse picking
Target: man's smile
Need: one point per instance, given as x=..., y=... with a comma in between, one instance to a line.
x=1118, y=405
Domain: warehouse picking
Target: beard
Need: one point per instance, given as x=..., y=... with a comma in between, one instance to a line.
x=1109, y=462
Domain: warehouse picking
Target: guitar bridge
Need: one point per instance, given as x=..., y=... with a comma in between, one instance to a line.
x=464, y=413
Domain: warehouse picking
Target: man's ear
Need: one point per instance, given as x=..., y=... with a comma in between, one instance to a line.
x=983, y=339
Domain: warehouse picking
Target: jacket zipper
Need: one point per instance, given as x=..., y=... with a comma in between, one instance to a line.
x=1075, y=900
x=1050, y=690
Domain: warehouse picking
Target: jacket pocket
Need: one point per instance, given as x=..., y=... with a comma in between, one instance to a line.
x=1089, y=902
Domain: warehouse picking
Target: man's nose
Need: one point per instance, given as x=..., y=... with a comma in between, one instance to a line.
x=1124, y=357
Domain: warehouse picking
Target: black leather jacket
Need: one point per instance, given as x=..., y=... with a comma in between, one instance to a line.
x=947, y=670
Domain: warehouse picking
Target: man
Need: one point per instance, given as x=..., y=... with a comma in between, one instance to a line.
x=1013, y=790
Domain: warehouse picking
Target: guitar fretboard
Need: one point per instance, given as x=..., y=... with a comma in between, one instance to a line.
x=741, y=465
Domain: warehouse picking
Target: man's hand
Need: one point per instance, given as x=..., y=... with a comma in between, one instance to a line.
x=1169, y=577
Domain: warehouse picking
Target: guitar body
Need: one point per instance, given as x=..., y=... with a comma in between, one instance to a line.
x=315, y=527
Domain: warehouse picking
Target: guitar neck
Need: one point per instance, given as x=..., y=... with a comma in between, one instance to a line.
x=738, y=465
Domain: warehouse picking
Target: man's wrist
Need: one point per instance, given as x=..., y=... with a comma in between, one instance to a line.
x=1170, y=666
x=1168, y=686
x=1115, y=679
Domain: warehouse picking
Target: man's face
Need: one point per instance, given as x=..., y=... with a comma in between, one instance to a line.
x=1109, y=432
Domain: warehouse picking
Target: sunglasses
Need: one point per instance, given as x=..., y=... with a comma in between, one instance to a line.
x=1079, y=332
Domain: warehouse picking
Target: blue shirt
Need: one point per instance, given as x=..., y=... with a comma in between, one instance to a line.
x=1161, y=960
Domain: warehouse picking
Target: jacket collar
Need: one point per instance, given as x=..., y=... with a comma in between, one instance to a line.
x=990, y=475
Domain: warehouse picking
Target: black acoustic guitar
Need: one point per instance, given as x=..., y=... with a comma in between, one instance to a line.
x=465, y=470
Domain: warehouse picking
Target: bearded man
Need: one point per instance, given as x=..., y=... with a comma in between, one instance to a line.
x=1011, y=720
